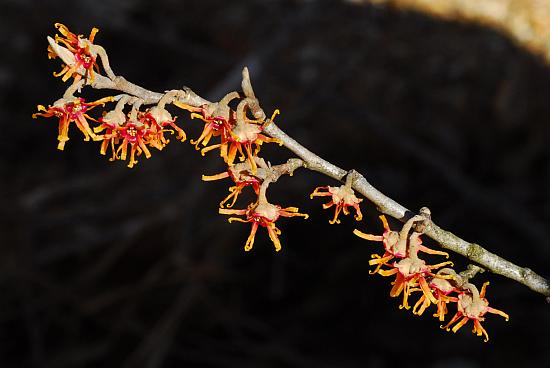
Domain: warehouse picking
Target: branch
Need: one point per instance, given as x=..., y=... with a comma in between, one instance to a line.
x=388, y=206
x=384, y=204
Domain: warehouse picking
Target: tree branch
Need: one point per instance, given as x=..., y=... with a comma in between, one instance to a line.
x=384, y=204
x=388, y=206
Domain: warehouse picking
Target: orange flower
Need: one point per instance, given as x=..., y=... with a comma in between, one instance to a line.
x=214, y=126
x=472, y=305
x=81, y=48
x=146, y=129
x=441, y=289
x=395, y=244
x=242, y=176
x=411, y=272
x=68, y=111
x=216, y=117
x=109, y=125
x=236, y=135
x=158, y=119
x=136, y=135
x=243, y=135
x=262, y=214
x=133, y=133
x=342, y=198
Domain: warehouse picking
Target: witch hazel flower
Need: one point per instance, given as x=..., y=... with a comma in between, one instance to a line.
x=242, y=176
x=129, y=134
x=441, y=289
x=245, y=132
x=160, y=121
x=78, y=53
x=414, y=274
x=216, y=117
x=237, y=135
x=472, y=306
x=117, y=130
x=395, y=243
x=68, y=110
x=236, y=131
x=243, y=135
x=109, y=125
x=342, y=198
x=264, y=214
x=261, y=213
x=411, y=272
x=133, y=134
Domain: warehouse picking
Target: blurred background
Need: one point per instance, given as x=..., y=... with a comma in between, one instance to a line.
x=101, y=265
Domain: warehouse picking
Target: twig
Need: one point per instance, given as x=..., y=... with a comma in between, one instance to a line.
x=386, y=205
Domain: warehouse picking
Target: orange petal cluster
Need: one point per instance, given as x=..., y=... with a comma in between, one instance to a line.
x=472, y=306
x=123, y=134
x=238, y=134
x=342, y=198
x=243, y=136
x=242, y=177
x=401, y=258
x=265, y=214
x=68, y=111
x=82, y=50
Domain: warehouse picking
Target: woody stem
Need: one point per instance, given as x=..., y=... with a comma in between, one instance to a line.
x=384, y=204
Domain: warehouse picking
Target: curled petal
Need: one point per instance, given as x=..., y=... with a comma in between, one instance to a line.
x=250, y=241
x=499, y=312
x=367, y=236
x=273, y=232
x=479, y=330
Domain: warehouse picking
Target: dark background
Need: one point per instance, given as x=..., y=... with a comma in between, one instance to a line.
x=103, y=266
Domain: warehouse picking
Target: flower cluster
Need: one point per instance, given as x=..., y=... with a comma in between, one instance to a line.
x=79, y=53
x=259, y=212
x=124, y=133
x=127, y=134
x=237, y=133
x=136, y=133
x=413, y=274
